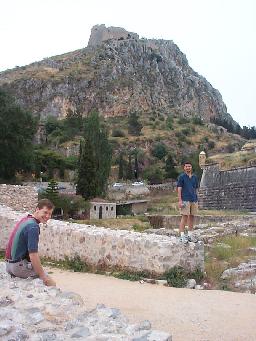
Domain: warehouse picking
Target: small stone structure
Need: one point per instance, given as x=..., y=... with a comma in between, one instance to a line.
x=102, y=209
x=231, y=189
x=101, y=33
x=20, y=198
x=106, y=248
x=32, y=311
x=132, y=206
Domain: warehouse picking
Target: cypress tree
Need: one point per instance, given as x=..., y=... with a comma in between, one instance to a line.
x=129, y=168
x=87, y=175
x=136, y=166
x=121, y=166
x=96, y=152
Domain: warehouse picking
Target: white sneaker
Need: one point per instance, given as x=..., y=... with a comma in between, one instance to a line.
x=184, y=239
x=192, y=239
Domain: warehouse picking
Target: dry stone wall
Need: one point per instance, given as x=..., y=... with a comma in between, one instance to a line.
x=231, y=189
x=20, y=198
x=106, y=248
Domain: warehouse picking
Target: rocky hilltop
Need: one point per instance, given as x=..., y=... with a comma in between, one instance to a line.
x=115, y=74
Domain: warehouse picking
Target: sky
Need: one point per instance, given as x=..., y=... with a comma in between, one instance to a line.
x=217, y=36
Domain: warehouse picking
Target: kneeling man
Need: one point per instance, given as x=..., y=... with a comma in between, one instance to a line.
x=21, y=256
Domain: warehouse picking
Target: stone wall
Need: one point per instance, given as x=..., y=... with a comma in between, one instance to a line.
x=20, y=198
x=173, y=221
x=230, y=189
x=106, y=248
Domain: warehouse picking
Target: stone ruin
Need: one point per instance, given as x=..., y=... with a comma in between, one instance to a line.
x=101, y=33
x=31, y=311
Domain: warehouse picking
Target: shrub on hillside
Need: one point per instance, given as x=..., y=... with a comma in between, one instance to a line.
x=118, y=133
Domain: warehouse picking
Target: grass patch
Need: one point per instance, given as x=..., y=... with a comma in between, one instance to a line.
x=220, y=258
x=130, y=276
x=177, y=276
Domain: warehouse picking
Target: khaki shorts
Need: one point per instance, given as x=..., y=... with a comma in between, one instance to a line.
x=190, y=208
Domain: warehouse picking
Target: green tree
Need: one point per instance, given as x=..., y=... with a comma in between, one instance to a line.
x=170, y=171
x=95, y=157
x=134, y=125
x=87, y=172
x=52, y=192
x=17, y=129
x=136, y=165
x=129, y=173
x=121, y=166
x=159, y=150
x=154, y=174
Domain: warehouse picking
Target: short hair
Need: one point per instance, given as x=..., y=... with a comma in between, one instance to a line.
x=187, y=163
x=45, y=203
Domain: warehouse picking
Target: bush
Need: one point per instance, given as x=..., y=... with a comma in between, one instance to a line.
x=153, y=174
x=185, y=131
x=169, y=123
x=159, y=150
x=76, y=264
x=118, y=133
x=183, y=120
x=197, y=120
x=176, y=277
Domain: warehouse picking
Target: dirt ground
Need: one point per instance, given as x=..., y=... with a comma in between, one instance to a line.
x=189, y=315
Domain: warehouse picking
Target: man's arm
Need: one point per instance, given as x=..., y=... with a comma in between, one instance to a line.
x=37, y=266
x=179, y=197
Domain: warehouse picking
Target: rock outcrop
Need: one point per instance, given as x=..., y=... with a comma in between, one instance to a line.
x=31, y=311
x=116, y=74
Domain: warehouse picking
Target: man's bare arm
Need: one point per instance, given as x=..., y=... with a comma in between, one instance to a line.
x=37, y=266
x=179, y=196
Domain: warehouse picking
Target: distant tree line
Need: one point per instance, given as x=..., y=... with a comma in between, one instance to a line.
x=248, y=133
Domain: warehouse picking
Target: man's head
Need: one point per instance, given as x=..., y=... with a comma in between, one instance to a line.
x=44, y=210
x=187, y=166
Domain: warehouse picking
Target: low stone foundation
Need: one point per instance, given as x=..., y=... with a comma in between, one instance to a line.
x=106, y=248
x=173, y=221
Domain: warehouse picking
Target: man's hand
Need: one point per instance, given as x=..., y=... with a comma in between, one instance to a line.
x=180, y=203
x=49, y=282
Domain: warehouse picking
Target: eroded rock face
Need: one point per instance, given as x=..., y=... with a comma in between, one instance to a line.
x=31, y=311
x=115, y=77
x=243, y=277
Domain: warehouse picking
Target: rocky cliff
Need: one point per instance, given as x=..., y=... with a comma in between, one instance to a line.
x=117, y=73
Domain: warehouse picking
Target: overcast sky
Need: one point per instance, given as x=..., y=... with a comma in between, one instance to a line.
x=217, y=36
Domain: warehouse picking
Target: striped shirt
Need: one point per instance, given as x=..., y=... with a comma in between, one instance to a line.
x=23, y=239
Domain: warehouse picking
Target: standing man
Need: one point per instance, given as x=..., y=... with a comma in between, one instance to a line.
x=187, y=185
x=21, y=256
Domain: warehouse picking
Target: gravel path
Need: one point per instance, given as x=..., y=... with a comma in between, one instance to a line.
x=189, y=315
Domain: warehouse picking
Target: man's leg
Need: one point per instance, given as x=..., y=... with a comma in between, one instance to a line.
x=22, y=269
x=190, y=222
x=193, y=212
x=183, y=223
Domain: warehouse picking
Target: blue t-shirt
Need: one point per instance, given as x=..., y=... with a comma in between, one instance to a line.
x=189, y=186
x=24, y=239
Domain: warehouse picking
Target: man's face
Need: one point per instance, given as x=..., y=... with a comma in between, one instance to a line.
x=43, y=214
x=188, y=168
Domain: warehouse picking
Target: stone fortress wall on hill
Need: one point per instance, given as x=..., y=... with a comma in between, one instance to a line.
x=229, y=189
